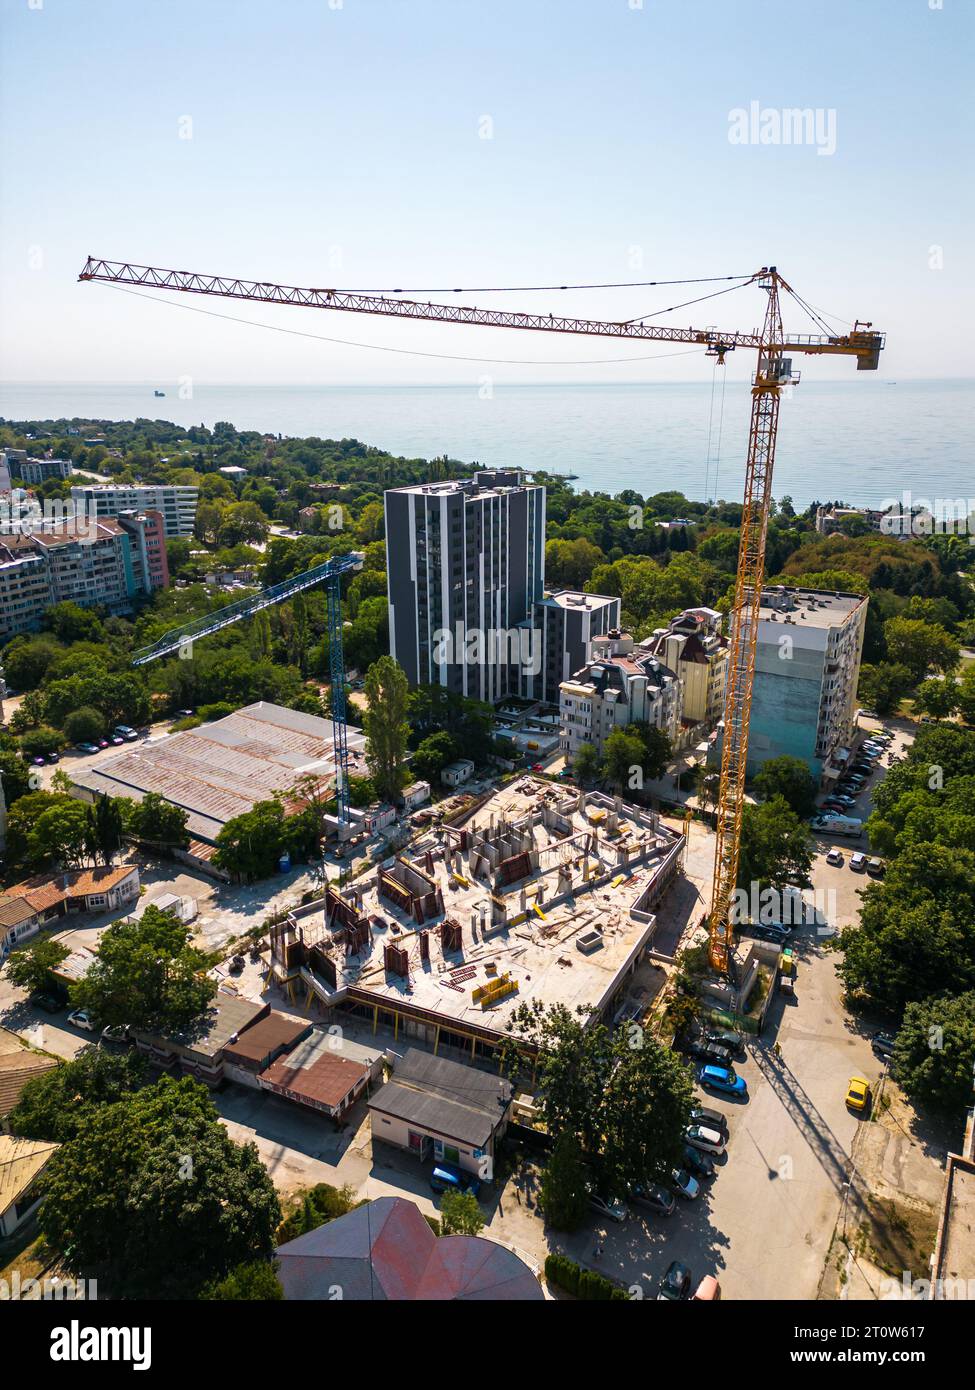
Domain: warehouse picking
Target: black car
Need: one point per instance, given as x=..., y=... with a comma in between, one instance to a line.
x=700, y=1165
x=47, y=1003
x=656, y=1199
x=707, y=1118
x=676, y=1283
x=707, y=1050
x=777, y=935
x=727, y=1038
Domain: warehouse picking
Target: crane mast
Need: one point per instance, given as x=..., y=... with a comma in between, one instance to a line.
x=773, y=373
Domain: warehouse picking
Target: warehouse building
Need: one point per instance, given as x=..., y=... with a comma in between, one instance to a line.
x=222, y=769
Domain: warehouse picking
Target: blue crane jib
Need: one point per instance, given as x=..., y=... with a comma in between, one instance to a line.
x=181, y=639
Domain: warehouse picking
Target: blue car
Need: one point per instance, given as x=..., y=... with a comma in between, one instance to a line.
x=446, y=1178
x=722, y=1079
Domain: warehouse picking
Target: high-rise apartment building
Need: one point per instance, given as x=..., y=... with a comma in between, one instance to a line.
x=175, y=502
x=465, y=563
x=105, y=564
x=564, y=625
x=807, y=667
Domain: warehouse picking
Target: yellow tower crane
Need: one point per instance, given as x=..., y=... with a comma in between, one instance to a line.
x=773, y=373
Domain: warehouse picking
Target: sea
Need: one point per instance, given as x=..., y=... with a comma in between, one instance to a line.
x=866, y=441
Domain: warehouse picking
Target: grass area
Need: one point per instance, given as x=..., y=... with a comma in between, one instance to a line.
x=25, y=1252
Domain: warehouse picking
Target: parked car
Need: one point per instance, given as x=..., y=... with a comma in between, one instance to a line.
x=834, y=856
x=81, y=1018
x=86, y=747
x=37, y=762
x=610, y=1208
x=706, y=1050
x=708, y=1290
x=676, y=1284
x=103, y=743
x=126, y=732
x=53, y=757
x=858, y=862
x=116, y=1034
x=723, y=1079
x=708, y=1140
x=876, y=868
x=701, y=1165
x=726, y=1038
x=47, y=1003
x=775, y=932
x=858, y=1094
x=883, y=1044
x=447, y=1178
x=685, y=1185
x=710, y=1119
x=655, y=1199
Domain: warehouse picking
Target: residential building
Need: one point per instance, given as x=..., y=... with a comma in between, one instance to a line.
x=564, y=623
x=456, y=773
x=465, y=563
x=385, y=1250
x=621, y=685
x=33, y=471
x=147, y=541
x=440, y=1109
x=37, y=901
x=693, y=646
x=176, y=502
x=105, y=564
x=807, y=666
x=22, y=1161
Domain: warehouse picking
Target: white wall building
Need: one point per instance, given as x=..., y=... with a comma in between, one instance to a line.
x=621, y=685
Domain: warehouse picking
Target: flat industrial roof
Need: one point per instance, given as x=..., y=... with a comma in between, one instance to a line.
x=227, y=1015
x=818, y=608
x=222, y=769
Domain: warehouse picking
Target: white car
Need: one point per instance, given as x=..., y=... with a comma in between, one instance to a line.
x=834, y=856
x=708, y=1140
x=82, y=1019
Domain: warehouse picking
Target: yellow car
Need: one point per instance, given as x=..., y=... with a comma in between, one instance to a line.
x=858, y=1093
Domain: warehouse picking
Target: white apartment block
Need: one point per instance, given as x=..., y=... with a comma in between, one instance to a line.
x=807, y=667
x=621, y=685
x=175, y=502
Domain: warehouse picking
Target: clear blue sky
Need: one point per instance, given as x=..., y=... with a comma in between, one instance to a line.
x=341, y=146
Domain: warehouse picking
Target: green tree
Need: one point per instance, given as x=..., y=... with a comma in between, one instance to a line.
x=241, y=522
x=937, y=698
x=70, y=623
x=460, y=1215
x=105, y=828
x=30, y=967
x=791, y=779
x=623, y=755
x=41, y=741
x=920, y=646
x=776, y=847
x=146, y=975
x=385, y=726
x=433, y=755
x=27, y=659
x=153, y=1197
x=249, y=846
x=84, y=725
x=656, y=748
x=256, y=1281
x=934, y=1055
x=586, y=763
x=60, y=838
x=563, y=1194
x=916, y=935
x=156, y=821
x=53, y=1105
x=882, y=687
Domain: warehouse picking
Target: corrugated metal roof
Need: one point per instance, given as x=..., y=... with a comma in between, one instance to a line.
x=220, y=770
x=16, y=1069
x=328, y=1079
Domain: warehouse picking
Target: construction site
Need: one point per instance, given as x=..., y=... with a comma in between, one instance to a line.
x=539, y=894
